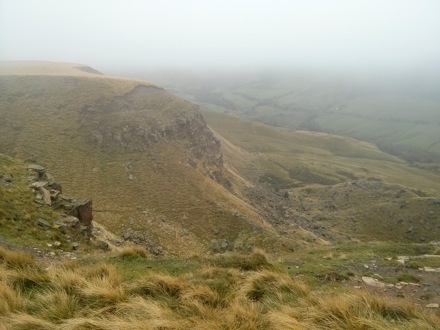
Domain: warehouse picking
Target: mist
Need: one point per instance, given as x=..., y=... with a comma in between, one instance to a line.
x=117, y=37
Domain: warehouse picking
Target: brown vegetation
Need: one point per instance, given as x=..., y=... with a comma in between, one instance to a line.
x=95, y=296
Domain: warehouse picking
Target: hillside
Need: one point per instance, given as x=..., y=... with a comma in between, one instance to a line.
x=398, y=113
x=337, y=187
x=201, y=219
x=160, y=177
x=145, y=157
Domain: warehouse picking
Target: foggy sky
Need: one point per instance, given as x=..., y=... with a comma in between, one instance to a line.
x=385, y=34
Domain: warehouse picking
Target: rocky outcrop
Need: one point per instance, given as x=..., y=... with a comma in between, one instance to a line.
x=146, y=116
x=77, y=213
x=82, y=210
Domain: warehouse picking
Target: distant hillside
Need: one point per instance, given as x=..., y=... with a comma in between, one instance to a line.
x=337, y=187
x=400, y=114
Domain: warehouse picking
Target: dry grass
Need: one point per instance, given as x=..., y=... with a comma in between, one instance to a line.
x=133, y=251
x=16, y=260
x=10, y=299
x=94, y=296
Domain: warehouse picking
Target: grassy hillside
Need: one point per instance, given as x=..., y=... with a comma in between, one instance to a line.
x=332, y=185
x=144, y=156
x=400, y=114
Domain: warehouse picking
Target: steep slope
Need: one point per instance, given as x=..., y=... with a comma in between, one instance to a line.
x=336, y=187
x=146, y=158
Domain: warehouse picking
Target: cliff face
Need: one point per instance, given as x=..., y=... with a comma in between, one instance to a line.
x=132, y=123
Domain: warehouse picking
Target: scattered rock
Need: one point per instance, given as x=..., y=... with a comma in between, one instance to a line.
x=373, y=282
x=48, y=192
x=402, y=259
x=431, y=269
x=433, y=305
x=75, y=246
x=102, y=245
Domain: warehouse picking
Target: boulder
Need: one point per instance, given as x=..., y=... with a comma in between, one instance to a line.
x=82, y=209
x=372, y=282
x=36, y=168
x=43, y=223
x=46, y=196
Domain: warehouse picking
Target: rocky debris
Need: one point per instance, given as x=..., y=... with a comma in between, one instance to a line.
x=83, y=210
x=219, y=245
x=77, y=213
x=430, y=269
x=141, y=238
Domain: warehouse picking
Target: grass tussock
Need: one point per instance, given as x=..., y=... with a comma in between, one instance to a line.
x=133, y=251
x=16, y=260
x=272, y=287
x=95, y=296
x=10, y=299
x=255, y=261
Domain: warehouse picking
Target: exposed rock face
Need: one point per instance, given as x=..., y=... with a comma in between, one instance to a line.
x=48, y=192
x=82, y=209
x=141, y=119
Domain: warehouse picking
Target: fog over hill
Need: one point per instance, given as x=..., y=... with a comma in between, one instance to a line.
x=194, y=164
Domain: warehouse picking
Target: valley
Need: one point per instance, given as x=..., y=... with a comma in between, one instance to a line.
x=206, y=215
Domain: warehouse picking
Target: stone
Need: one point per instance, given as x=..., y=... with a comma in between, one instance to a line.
x=82, y=209
x=38, y=184
x=432, y=305
x=36, y=168
x=102, y=245
x=68, y=221
x=56, y=186
x=46, y=196
x=372, y=282
x=131, y=177
x=43, y=223
x=431, y=269
x=75, y=245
